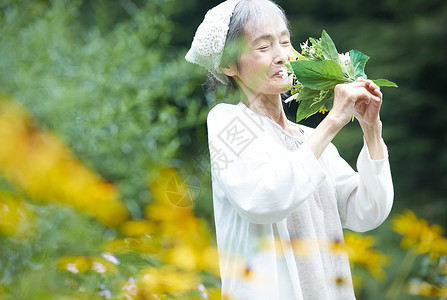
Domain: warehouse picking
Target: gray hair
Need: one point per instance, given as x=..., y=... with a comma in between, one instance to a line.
x=253, y=12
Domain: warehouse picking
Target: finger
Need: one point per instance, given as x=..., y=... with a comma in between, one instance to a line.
x=370, y=96
x=358, y=84
x=373, y=86
x=375, y=90
x=379, y=93
x=375, y=98
x=375, y=93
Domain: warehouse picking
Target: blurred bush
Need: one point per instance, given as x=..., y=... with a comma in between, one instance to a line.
x=103, y=82
x=116, y=92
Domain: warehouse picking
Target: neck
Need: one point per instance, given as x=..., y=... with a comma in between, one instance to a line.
x=267, y=105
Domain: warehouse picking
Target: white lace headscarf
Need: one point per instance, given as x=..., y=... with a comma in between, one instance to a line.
x=209, y=41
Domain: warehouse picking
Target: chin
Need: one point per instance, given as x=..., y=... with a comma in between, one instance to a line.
x=278, y=89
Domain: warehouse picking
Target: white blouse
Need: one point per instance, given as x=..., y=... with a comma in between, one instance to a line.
x=279, y=211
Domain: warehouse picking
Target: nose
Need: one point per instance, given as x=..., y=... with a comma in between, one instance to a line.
x=279, y=60
x=281, y=55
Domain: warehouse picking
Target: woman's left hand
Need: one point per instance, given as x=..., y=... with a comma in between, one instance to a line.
x=367, y=110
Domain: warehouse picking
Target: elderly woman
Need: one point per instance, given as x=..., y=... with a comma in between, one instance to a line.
x=281, y=192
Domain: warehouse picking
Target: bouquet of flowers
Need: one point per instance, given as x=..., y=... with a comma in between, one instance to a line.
x=318, y=69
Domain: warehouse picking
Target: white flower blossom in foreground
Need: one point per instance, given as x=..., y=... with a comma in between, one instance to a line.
x=284, y=75
x=131, y=287
x=105, y=293
x=110, y=257
x=98, y=267
x=72, y=268
x=293, y=97
x=202, y=291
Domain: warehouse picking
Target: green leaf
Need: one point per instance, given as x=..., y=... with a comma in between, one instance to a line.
x=312, y=102
x=318, y=75
x=306, y=109
x=307, y=94
x=384, y=82
x=328, y=47
x=359, y=60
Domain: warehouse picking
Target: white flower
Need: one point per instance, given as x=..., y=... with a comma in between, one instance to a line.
x=98, y=267
x=344, y=58
x=202, y=291
x=131, y=287
x=293, y=97
x=105, y=293
x=284, y=75
x=346, y=64
x=72, y=268
x=110, y=257
x=304, y=46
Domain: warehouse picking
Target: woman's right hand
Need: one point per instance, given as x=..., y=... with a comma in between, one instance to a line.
x=346, y=96
x=361, y=93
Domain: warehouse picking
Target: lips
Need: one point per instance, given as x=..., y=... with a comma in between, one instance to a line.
x=279, y=73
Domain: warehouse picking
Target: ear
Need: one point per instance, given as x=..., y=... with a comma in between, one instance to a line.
x=230, y=71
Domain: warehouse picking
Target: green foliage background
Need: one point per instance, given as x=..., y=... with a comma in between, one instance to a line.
x=109, y=77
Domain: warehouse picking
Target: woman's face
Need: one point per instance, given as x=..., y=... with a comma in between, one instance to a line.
x=268, y=48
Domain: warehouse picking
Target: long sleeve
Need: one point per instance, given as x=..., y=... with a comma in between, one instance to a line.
x=365, y=197
x=263, y=181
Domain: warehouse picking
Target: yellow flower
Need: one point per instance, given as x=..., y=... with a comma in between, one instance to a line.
x=244, y=272
x=418, y=234
x=304, y=248
x=360, y=253
x=166, y=279
x=15, y=217
x=337, y=247
x=341, y=281
x=171, y=188
x=43, y=166
x=143, y=244
x=74, y=264
x=182, y=256
x=422, y=288
x=322, y=110
x=137, y=228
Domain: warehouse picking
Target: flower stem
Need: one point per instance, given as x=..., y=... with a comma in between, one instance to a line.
x=432, y=269
x=402, y=275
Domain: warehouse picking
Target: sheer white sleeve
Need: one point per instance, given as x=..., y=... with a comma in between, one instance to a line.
x=365, y=197
x=263, y=181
